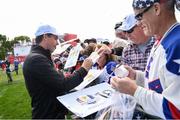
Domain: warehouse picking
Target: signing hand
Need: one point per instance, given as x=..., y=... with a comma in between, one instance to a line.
x=87, y=64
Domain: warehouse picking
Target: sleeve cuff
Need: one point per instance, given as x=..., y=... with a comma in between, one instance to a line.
x=83, y=72
x=137, y=92
x=140, y=80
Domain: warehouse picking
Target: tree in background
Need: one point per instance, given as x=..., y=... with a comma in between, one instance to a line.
x=22, y=39
x=3, y=47
x=7, y=45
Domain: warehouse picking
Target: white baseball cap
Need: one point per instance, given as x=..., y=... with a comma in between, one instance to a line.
x=128, y=23
x=44, y=29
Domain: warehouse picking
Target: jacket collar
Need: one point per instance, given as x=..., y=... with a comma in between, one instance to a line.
x=41, y=50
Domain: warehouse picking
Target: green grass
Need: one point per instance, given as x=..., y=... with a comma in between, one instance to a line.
x=14, y=99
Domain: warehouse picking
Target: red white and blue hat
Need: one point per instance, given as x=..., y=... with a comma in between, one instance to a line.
x=140, y=4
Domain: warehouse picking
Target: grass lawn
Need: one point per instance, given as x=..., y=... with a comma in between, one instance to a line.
x=14, y=99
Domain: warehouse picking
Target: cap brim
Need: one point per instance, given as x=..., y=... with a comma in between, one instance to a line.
x=125, y=28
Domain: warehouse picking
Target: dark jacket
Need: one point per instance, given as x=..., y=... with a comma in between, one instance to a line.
x=44, y=84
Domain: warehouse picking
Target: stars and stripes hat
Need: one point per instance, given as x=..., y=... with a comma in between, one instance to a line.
x=140, y=4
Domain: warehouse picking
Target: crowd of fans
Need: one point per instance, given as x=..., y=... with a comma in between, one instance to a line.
x=147, y=44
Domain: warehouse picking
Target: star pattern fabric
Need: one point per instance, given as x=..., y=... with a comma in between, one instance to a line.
x=141, y=4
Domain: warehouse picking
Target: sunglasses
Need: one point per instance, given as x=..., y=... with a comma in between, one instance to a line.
x=140, y=15
x=131, y=30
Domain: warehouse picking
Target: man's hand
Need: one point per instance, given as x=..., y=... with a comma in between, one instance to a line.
x=124, y=85
x=87, y=64
x=104, y=50
x=132, y=72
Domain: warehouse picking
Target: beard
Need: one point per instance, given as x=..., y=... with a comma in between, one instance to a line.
x=52, y=49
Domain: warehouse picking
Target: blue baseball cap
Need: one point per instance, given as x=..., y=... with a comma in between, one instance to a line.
x=44, y=29
x=128, y=23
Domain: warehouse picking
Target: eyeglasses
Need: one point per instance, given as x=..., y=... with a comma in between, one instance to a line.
x=130, y=31
x=140, y=15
